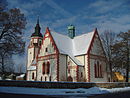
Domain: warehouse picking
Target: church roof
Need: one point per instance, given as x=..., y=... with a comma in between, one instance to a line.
x=73, y=47
x=77, y=46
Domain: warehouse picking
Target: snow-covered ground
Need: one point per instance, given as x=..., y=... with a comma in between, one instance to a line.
x=40, y=91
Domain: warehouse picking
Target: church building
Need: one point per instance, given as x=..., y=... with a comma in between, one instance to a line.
x=57, y=57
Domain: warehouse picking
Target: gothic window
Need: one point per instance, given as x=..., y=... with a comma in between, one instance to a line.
x=50, y=78
x=43, y=68
x=95, y=70
x=48, y=67
x=46, y=50
x=81, y=74
x=45, y=78
x=98, y=70
x=41, y=78
x=33, y=75
x=101, y=75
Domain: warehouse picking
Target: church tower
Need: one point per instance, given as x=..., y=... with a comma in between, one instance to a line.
x=34, y=45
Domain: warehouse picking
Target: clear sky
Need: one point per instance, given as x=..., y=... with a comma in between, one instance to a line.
x=85, y=15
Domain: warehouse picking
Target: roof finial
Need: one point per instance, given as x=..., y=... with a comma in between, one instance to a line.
x=38, y=19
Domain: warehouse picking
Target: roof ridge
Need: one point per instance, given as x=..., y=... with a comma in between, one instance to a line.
x=84, y=34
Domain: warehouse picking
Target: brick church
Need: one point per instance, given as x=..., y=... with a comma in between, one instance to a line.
x=57, y=57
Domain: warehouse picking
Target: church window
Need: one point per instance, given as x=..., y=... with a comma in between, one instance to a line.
x=33, y=75
x=48, y=67
x=98, y=70
x=41, y=78
x=50, y=78
x=46, y=50
x=81, y=74
x=43, y=68
x=95, y=70
x=45, y=78
x=101, y=75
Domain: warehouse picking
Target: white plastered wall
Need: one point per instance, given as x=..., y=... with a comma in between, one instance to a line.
x=97, y=54
x=30, y=56
x=52, y=76
x=62, y=67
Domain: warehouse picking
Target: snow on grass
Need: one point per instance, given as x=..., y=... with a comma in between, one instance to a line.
x=40, y=91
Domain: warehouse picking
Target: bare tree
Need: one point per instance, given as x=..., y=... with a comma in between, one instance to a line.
x=108, y=39
x=12, y=23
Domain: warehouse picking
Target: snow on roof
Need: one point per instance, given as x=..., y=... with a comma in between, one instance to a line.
x=73, y=47
x=64, y=43
x=21, y=76
x=31, y=68
x=75, y=60
x=81, y=43
x=65, y=46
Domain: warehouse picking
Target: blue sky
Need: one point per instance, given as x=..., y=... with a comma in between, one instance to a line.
x=85, y=15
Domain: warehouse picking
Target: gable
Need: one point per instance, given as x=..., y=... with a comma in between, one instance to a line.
x=97, y=48
x=48, y=45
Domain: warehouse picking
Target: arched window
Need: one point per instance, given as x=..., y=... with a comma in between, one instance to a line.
x=46, y=49
x=81, y=74
x=43, y=68
x=101, y=75
x=95, y=70
x=45, y=78
x=33, y=75
x=48, y=67
x=50, y=78
x=41, y=78
x=98, y=69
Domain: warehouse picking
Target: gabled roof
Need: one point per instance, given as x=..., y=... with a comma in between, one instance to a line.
x=77, y=46
x=73, y=47
x=81, y=43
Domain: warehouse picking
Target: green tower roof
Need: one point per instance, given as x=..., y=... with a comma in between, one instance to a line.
x=71, y=27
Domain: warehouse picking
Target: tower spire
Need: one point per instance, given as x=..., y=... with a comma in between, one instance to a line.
x=38, y=19
x=37, y=29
